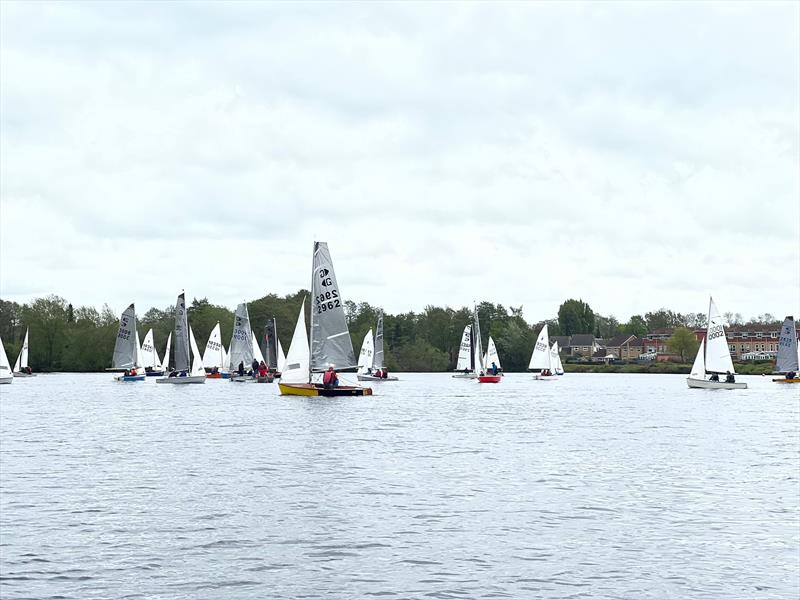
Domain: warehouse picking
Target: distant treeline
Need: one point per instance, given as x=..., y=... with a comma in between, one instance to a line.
x=65, y=338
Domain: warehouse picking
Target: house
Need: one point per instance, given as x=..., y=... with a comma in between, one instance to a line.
x=624, y=347
x=582, y=344
x=563, y=342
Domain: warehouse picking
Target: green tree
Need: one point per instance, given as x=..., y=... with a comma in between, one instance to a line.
x=47, y=318
x=683, y=343
x=636, y=325
x=575, y=316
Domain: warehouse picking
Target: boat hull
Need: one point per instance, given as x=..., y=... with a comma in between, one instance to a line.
x=784, y=380
x=154, y=373
x=546, y=377
x=7, y=379
x=373, y=378
x=183, y=380
x=129, y=378
x=218, y=376
x=465, y=376
x=705, y=384
x=20, y=374
x=489, y=379
x=312, y=389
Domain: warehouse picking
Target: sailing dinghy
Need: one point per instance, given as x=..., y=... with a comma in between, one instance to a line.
x=365, y=357
x=329, y=345
x=483, y=375
x=241, y=348
x=127, y=351
x=151, y=361
x=541, y=359
x=555, y=359
x=273, y=353
x=491, y=356
x=5, y=367
x=214, y=355
x=465, y=368
x=375, y=365
x=21, y=368
x=788, y=359
x=188, y=367
x=713, y=357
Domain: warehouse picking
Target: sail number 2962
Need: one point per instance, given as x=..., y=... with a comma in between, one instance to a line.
x=327, y=301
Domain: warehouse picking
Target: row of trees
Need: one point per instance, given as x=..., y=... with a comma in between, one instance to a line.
x=64, y=338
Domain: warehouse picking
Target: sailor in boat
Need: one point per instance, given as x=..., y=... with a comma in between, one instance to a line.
x=330, y=379
x=729, y=378
x=714, y=377
x=263, y=371
x=384, y=373
x=494, y=368
x=790, y=375
x=254, y=368
x=240, y=369
x=173, y=373
x=214, y=370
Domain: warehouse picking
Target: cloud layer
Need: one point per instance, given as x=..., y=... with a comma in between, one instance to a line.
x=631, y=155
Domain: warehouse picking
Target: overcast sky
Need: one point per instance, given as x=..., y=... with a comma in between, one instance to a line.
x=634, y=155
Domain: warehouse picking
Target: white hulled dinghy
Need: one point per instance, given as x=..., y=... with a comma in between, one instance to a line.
x=787, y=361
x=5, y=367
x=376, y=370
x=714, y=357
x=21, y=368
x=188, y=364
x=465, y=367
x=127, y=355
x=330, y=344
x=541, y=359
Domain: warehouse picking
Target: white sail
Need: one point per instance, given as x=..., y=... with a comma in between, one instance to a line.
x=197, y=360
x=296, y=369
x=555, y=359
x=491, y=355
x=540, y=359
x=226, y=362
x=787, y=359
x=477, y=344
x=367, y=354
x=718, y=355
x=139, y=357
x=126, y=348
x=281, y=357
x=241, y=348
x=22, y=359
x=257, y=354
x=464, y=350
x=149, y=353
x=699, y=366
x=214, y=353
x=166, y=352
x=5, y=366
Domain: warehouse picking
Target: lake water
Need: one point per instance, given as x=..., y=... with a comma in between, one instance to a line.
x=592, y=486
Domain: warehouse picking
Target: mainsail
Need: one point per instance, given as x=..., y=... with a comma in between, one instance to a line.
x=477, y=346
x=491, y=354
x=182, y=358
x=296, y=367
x=786, y=361
x=126, y=348
x=540, y=359
x=149, y=354
x=214, y=353
x=718, y=355
x=465, y=350
x=377, y=361
x=241, y=348
x=367, y=354
x=22, y=359
x=331, y=345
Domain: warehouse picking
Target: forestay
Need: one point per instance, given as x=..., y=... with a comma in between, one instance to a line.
x=125, y=348
x=787, y=358
x=182, y=359
x=331, y=345
x=718, y=355
x=366, y=356
x=241, y=348
x=296, y=367
x=465, y=350
x=22, y=359
x=377, y=361
x=540, y=359
x=214, y=353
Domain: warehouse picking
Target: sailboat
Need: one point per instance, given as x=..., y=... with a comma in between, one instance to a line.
x=242, y=345
x=127, y=351
x=150, y=360
x=5, y=367
x=365, y=357
x=329, y=345
x=713, y=356
x=214, y=355
x=555, y=359
x=491, y=356
x=21, y=368
x=788, y=359
x=480, y=365
x=541, y=359
x=465, y=366
x=188, y=362
x=376, y=364
x=273, y=353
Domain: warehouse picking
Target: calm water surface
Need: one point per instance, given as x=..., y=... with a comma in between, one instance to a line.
x=593, y=486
